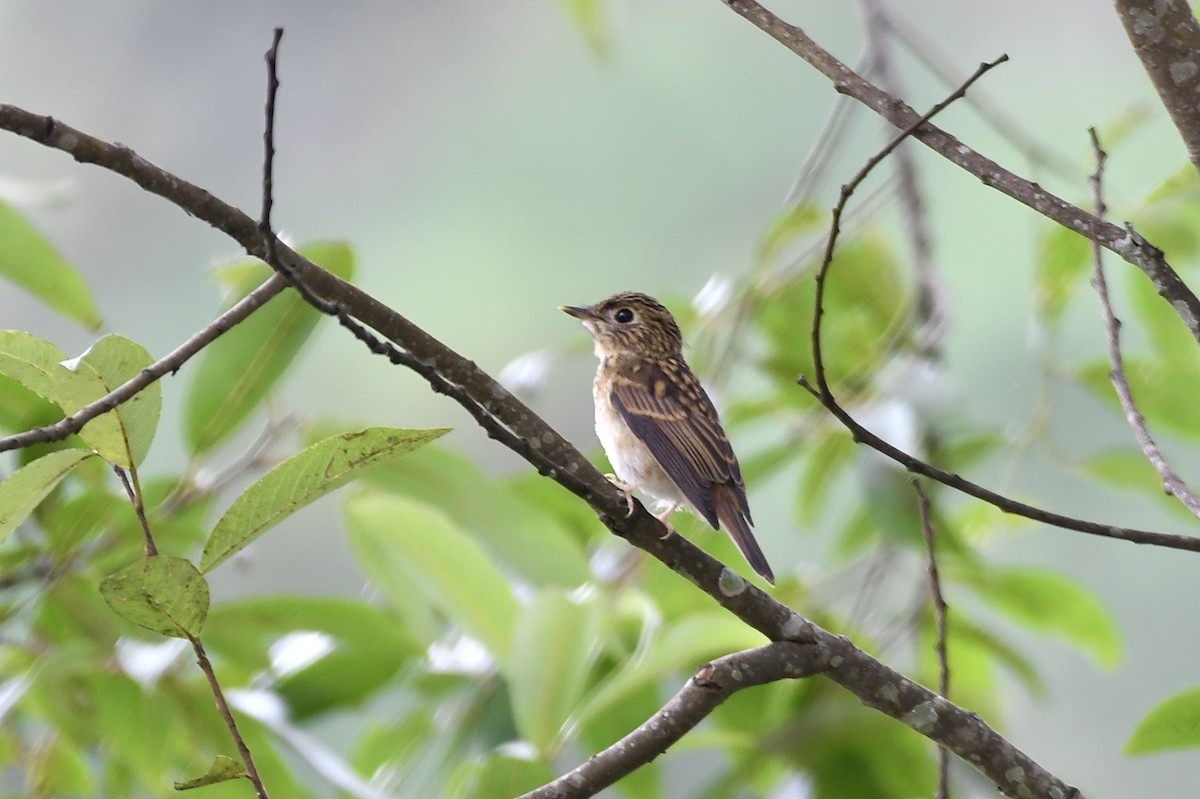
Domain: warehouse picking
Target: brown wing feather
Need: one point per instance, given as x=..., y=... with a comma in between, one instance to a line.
x=665, y=406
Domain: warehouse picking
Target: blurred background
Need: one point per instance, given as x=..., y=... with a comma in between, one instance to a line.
x=488, y=164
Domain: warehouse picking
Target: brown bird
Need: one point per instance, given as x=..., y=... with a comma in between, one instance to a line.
x=657, y=425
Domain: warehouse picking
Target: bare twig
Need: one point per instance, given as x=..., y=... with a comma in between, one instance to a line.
x=504, y=417
x=223, y=708
x=134, y=491
x=939, y=615
x=1120, y=381
x=1125, y=242
x=268, y=179
x=849, y=189
x=917, y=466
x=168, y=364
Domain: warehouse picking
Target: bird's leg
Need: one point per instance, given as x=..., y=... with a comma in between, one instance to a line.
x=625, y=488
x=665, y=516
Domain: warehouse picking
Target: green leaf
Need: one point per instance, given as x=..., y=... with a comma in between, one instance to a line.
x=39, y=366
x=366, y=647
x=163, y=594
x=30, y=484
x=554, y=642
x=222, y=769
x=1165, y=393
x=588, y=16
x=30, y=261
x=57, y=768
x=306, y=477
x=415, y=553
x=522, y=535
x=787, y=226
x=499, y=775
x=1062, y=262
x=685, y=644
x=1170, y=340
x=1052, y=604
x=21, y=409
x=1124, y=468
x=866, y=302
x=238, y=370
x=831, y=452
x=129, y=429
x=1173, y=724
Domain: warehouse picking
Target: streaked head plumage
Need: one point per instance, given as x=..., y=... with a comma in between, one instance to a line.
x=630, y=323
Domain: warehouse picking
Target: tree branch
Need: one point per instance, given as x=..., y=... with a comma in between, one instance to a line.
x=504, y=416
x=1166, y=38
x=1125, y=242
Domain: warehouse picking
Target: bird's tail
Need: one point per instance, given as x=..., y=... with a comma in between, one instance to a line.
x=736, y=520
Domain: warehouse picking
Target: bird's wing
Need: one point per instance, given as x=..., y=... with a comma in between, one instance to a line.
x=666, y=408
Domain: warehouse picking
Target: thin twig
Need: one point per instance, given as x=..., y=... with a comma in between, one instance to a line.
x=168, y=364
x=134, y=491
x=268, y=178
x=939, y=615
x=223, y=708
x=848, y=190
x=1112, y=327
x=917, y=466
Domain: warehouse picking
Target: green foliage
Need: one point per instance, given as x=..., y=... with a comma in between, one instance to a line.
x=29, y=485
x=418, y=556
x=588, y=17
x=1173, y=724
x=238, y=370
x=162, y=594
x=1052, y=604
x=304, y=478
x=30, y=261
x=1062, y=262
x=223, y=769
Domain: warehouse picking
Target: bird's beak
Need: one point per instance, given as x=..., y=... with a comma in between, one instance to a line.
x=579, y=312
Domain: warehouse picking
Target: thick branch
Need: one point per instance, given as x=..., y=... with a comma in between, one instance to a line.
x=1166, y=37
x=876, y=685
x=1122, y=241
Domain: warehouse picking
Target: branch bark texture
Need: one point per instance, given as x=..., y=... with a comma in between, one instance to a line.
x=1166, y=37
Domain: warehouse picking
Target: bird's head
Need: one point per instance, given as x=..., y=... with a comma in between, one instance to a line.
x=630, y=324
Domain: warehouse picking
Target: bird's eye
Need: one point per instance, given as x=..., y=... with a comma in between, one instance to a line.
x=624, y=316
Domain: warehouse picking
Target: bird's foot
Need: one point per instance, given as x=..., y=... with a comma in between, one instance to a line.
x=625, y=488
x=665, y=518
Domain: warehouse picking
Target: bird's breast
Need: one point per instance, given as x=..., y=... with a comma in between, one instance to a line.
x=630, y=457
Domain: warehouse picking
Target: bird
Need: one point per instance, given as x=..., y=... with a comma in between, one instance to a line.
x=657, y=424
